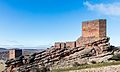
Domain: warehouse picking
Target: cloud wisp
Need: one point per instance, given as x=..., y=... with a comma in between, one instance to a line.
x=112, y=9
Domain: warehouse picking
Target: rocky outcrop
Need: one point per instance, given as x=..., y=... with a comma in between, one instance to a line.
x=53, y=58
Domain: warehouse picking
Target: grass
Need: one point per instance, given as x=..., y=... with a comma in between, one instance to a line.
x=87, y=66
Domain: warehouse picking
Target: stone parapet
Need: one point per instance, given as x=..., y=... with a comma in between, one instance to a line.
x=71, y=44
x=57, y=45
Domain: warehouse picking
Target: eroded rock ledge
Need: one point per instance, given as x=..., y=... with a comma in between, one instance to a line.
x=55, y=58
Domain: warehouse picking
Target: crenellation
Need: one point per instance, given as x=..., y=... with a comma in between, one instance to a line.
x=91, y=31
x=63, y=45
x=57, y=45
x=71, y=44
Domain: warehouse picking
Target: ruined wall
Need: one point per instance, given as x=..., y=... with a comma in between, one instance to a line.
x=14, y=53
x=85, y=40
x=102, y=28
x=18, y=52
x=70, y=44
x=91, y=31
x=11, y=54
x=63, y=45
x=57, y=45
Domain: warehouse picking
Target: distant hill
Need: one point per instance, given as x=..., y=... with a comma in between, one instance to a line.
x=33, y=50
x=118, y=47
x=3, y=49
x=27, y=52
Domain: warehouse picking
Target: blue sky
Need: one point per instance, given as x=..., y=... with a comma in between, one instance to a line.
x=33, y=23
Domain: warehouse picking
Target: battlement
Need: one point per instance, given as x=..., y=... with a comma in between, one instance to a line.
x=70, y=44
x=91, y=31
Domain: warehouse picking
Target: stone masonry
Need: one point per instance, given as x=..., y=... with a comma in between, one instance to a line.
x=70, y=44
x=14, y=53
x=91, y=31
x=57, y=45
x=63, y=45
x=95, y=28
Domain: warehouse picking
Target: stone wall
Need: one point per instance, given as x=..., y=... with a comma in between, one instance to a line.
x=11, y=54
x=14, y=53
x=70, y=44
x=85, y=40
x=57, y=45
x=95, y=28
x=102, y=29
x=63, y=45
x=91, y=31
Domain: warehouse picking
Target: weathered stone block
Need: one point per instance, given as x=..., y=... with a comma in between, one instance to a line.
x=57, y=45
x=70, y=44
x=63, y=45
x=14, y=53
x=95, y=28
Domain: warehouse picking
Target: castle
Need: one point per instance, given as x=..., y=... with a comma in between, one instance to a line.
x=91, y=31
x=93, y=39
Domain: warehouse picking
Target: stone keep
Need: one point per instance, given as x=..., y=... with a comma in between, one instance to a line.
x=95, y=28
x=14, y=53
x=91, y=31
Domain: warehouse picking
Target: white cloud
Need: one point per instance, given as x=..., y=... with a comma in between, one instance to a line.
x=106, y=9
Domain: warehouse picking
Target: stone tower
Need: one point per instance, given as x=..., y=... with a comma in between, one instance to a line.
x=14, y=53
x=95, y=28
x=91, y=31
